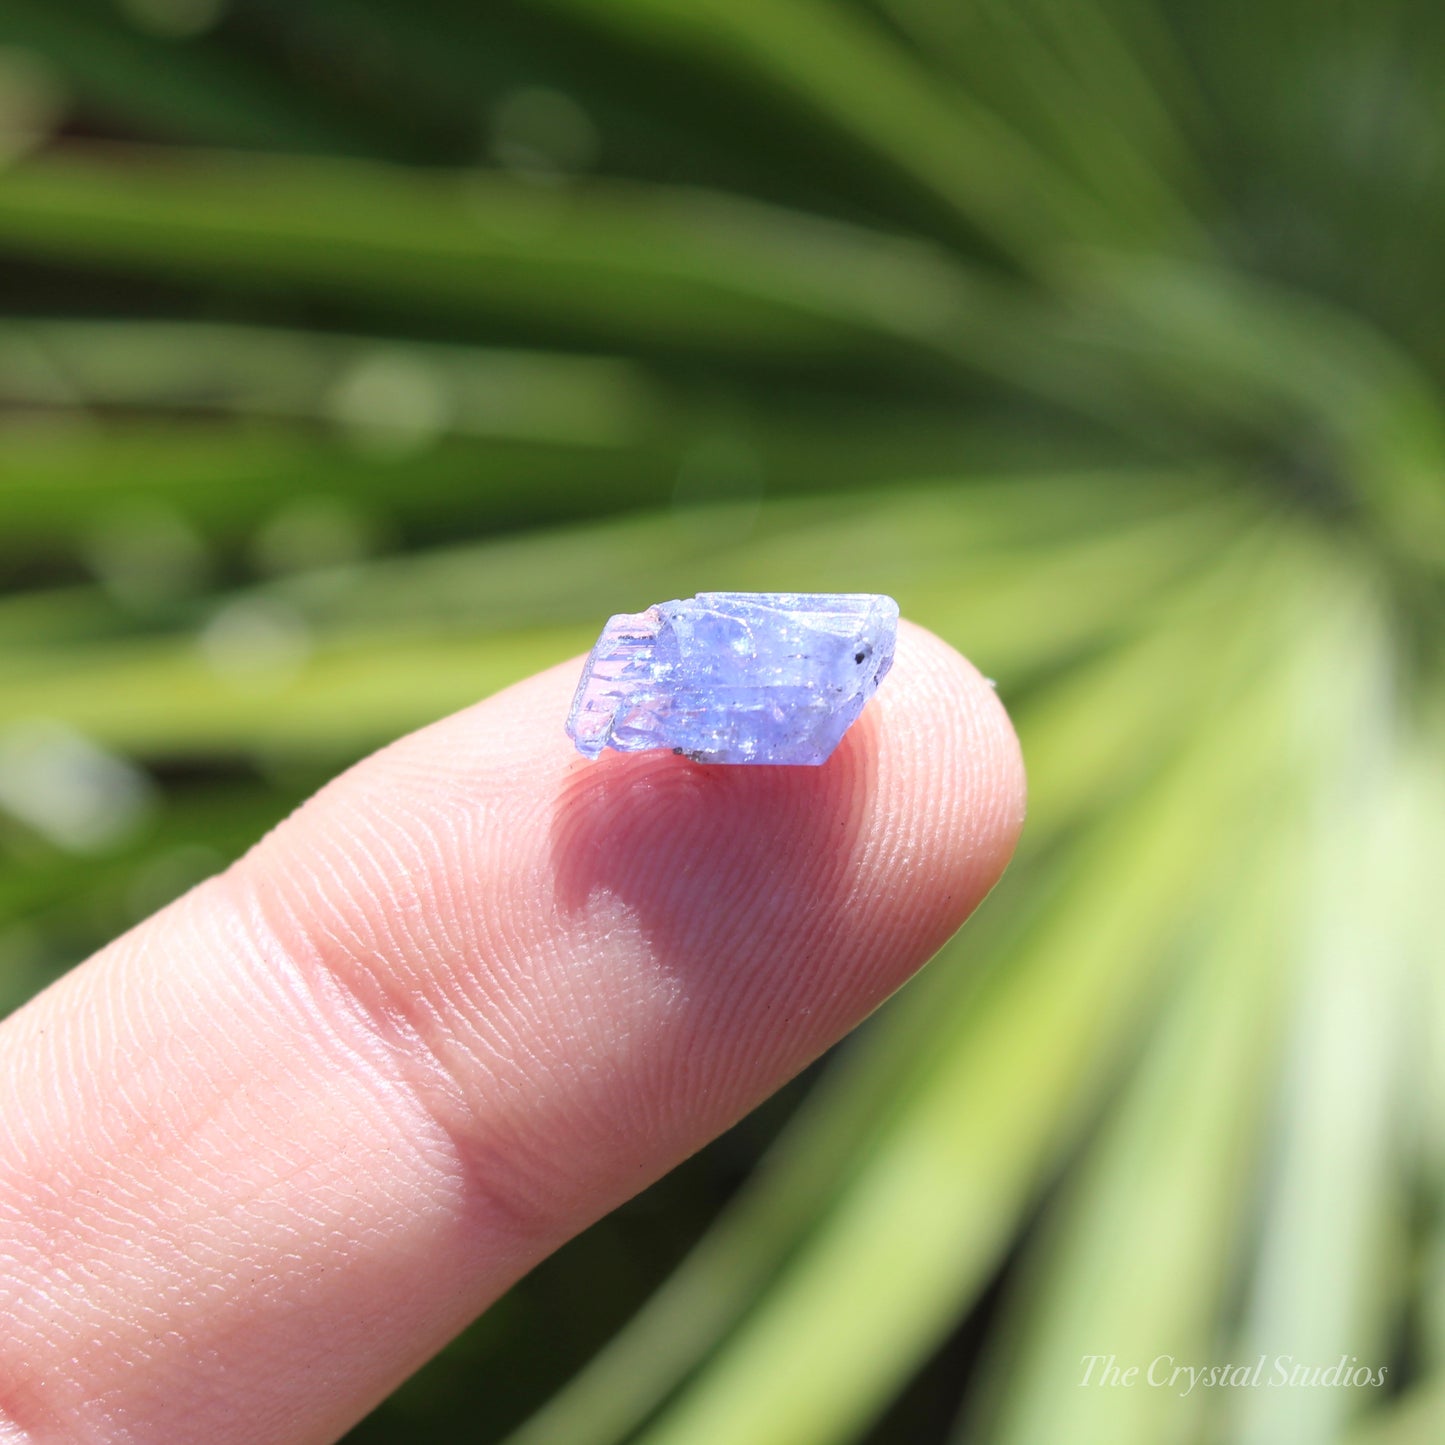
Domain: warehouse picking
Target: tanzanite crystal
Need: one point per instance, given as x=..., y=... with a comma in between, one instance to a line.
x=735, y=677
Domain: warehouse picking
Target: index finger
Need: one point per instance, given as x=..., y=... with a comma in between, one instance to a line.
x=266, y=1153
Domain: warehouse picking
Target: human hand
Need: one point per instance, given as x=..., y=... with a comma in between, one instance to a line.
x=266, y=1153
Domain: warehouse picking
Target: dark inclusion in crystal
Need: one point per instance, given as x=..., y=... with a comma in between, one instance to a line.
x=735, y=677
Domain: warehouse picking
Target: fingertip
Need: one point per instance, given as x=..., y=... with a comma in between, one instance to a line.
x=776, y=907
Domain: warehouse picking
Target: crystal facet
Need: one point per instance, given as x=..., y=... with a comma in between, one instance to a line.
x=735, y=677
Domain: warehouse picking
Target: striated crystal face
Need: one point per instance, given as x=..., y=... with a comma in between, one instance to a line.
x=735, y=677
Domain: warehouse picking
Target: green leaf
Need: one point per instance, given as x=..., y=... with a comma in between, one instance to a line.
x=206, y=93
x=1330, y=1273
x=646, y=265
x=1133, y=1270
x=848, y=70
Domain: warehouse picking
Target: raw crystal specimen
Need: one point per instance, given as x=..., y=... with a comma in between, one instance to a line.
x=735, y=677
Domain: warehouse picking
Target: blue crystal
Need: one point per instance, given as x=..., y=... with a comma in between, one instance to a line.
x=735, y=677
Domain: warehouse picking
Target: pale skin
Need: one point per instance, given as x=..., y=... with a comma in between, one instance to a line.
x=266, y=1153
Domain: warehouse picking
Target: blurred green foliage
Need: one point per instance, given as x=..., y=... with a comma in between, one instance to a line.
x=359, y=356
